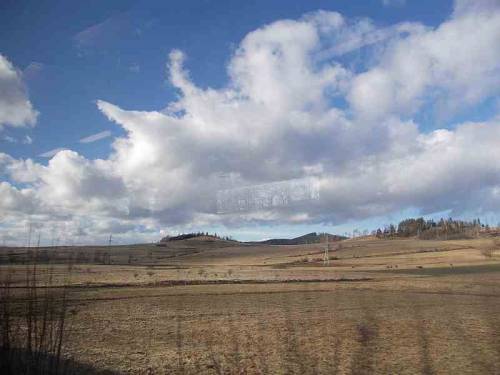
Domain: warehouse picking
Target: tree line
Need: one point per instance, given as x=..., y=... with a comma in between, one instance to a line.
x=431, y=229
x=186, y=236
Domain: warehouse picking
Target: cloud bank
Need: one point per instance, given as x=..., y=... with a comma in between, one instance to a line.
x=298, y=104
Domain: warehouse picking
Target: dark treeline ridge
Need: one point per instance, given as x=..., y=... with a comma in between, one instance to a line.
x=186, y=236
x=305, y=239
x=430, y=229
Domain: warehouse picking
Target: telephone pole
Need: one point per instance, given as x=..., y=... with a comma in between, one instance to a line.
x=326, y=255
x=29, y=233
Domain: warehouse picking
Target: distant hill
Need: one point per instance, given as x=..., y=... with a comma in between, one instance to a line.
x=199, y=236
x=305, y=239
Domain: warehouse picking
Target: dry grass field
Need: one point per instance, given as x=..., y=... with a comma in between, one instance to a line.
x=194, y=307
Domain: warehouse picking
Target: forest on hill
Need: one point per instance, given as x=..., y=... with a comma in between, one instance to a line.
x=431, y=229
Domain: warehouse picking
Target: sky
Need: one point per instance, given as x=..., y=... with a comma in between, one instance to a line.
x=141, y=119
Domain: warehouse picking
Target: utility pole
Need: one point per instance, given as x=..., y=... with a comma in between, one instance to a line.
x=326, y=255
x=79, y=234
x=110, y=239
x=29, y=233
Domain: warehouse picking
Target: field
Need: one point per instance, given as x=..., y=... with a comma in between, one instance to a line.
x=196, y=306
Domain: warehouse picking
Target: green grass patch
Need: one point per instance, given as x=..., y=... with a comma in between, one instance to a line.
x=446, y=271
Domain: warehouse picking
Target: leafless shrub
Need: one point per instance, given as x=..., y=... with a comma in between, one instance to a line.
x=33, y=322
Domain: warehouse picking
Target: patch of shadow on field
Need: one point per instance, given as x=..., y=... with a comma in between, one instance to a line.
x=363, y=359
x=423, y=341
x=17, y=362
x=446, y=271
x=173, y=283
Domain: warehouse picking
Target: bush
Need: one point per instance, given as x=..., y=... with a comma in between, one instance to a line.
x=32, y=324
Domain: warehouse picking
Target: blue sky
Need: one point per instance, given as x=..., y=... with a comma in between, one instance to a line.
x=86, y=66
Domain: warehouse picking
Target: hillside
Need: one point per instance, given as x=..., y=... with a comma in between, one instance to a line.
x=199, y=236
x=143, y=306
x=305, y=239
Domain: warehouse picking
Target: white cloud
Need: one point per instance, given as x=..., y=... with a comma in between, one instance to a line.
x=464, y=7
x=23, y=171
x=8, y=138
x=73, y=181
x=454, y=66
x=26, y=140
x=274, y=121
x=292, y=109
x=96, y=137
x=15, y=108
x=51, y=153
x=105, y=35
x=33, y=69
x=393, y=2
x=15, y=200
x=135, y=68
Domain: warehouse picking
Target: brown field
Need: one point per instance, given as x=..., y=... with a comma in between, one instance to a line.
x=196, y=307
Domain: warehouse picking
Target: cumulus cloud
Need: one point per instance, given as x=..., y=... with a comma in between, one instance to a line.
x=454, y=66
x=15, y=200
x=294, y=108
x=15, y=108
